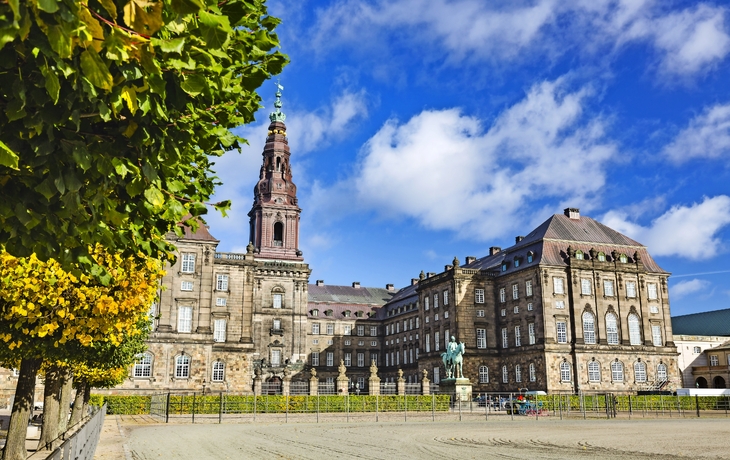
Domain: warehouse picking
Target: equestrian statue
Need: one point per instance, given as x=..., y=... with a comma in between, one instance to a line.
x=453, y=359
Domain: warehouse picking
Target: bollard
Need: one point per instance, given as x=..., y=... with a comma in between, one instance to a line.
x=254, y=407
x=347, y=406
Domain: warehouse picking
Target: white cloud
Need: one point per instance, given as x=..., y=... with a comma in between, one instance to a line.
x=685, y=41
x=684, y=231
x=684, y=288
x=442, y=168
x=706, y=136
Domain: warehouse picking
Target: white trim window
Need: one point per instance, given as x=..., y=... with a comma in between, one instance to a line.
x=558, y=286
x=347, y=329
x=611, y=329
x=560, y=304
x=314, y=358
x=221, y=282
x=502, y=295
x=652, y=291
x=533, y=374
x=505, y=338
x=374, y=331
x=515, y=292
x=528, y=288
x=418, y=322
x=481, y=338
x=562, y=331
x=361, y=330
x=182, y=367
x=478, y=295
x=640, y=372
x=653, y=309
x=219, y=330
x=315, y=328
x=594, y=371
x=220, y=301
x=656, y=335
x=428, y=343
x=435, y=300
x=436, y=376
x=529, y=306
x=505, y=375
x=631, y=289
x=361, y=359
x=219, y=371
x=446, y=297
x=531, y=333
x=483, y=374
x=661, y=372
x=425, y=303
x=142, y=366
x=634, y=330
x=516, y=309
x=503, y=312
x=518, y=373
x=184, y=319
x=589, y=328
x=585, y=286
x=565, y=372
x=436, y=341
x=186, y=286
x=714, y=361
x=608, y=288
x=330, y=359
x=276, y=301
x=330, y=328
x=276, y=358
x=276, y=323
x=480, y=313
x=617, y=371
x=518, y=337
x=446, y=339
x=188, y=263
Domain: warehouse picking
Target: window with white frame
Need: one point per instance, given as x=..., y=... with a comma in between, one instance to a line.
x=503, y=312
x=639, y=371
x=219, y=330
x=188, y=263
x=436, y=376
x=631, y=289
x=558, y=286
x=714, y=360
x=435, y=301
x=360, y=331
x=481, y=338
x=374, y=357
x=565, y=372
x=360, y=359
x=405, y=356
x=515, y=309
x=617, y=371
x=446, y=315
x=277, y=324
x=417, y=322
x=330, y=328
x=528, y=288
x=656, y=335
x=220, y=301
x=330, y=359
x=446, y=297
x=436, y=317
x=182, y=367
x=143, y=366
x=505, y=375
x=518, y=337
x=373, y=331
x=186, y=286
x=661, y=372
x=611, y=329
x=697, y=350
x=480, y=313
x=428, y=343
x=347, y=329
x=651, y=291
x=515, y=292
x=634, y=330
x=505, y=338
x=219, y=371
x=277, y=300
x=562, y=329
x=410, y=354
x=374, y=343
x=533, y=374
x=608, y=288
x=579, y=254
x=276, y=358
x=589, y=328
x=560, y=304
x=446, y=339
x=529, y=306
x=585, y=286
x=397, y=358
x=436, y=341
x=483, y=374
x=502, y=295
x=594, y=371
x=478, y=295
x=315, y=328
x=221, y=282
x=425, y=303
x=518, y=373
x=410, y=322
x=531, y=333
x=349, y=342
x=314, y=358
x=184, y=319
x=397, y=327
x=653, y=309
x=348, y=359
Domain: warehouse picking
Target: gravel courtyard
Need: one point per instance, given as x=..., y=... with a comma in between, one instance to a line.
x=138, y=438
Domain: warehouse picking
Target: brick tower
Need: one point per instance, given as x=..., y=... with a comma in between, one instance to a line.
x=275, y=214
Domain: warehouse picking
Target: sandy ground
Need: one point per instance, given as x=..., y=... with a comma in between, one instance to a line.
x=142, y=438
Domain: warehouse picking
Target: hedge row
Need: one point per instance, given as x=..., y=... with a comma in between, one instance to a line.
x=123, y=404
x=638, y=403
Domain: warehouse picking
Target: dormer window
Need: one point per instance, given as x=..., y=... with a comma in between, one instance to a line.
x=504, y=266
x=601, y=256
x=579, y=255
x=346, y=313
x=359, y=314
x=517, y=262
x=328, y=313
x=623, y=259
x=530, y=257
x=315, y=312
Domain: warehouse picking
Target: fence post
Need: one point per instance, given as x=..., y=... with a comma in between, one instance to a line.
x=254, y=406
x=560, y=405
x=583, y=404
x=630, y=409
x=512, y=408
x=220, y=408
x=405, y=411
x=193, y=407
x=286, y=416
x=433, y=407
x=697, y=405
x=317, y=405
x=167, y=409
x=347, y=405
x=377, y=406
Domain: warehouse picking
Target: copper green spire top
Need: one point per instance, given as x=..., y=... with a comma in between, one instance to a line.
x=277, y=115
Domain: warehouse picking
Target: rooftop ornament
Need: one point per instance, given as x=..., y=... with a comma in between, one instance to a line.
x=278, y=115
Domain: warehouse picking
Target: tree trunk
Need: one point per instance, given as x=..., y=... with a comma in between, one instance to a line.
x=51, y=404
x=22, y=408
x=87, y=397
x=66, y=389
x=78, y=411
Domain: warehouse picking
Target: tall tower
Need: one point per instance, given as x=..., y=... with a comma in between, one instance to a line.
x=274, y=216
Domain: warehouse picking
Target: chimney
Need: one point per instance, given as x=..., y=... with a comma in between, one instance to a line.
x=494, y=250
x=430, y=274
x=414, y=281
x=518, y=239
x=573, y=213
x=389, y=287
x=356, y=284
x=470, y=259
x=320, y=282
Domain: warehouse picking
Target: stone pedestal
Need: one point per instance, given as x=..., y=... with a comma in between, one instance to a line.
x=257, y=385
x=425, y=384
x=286, y=386
x=374, y=380
x=313, y=386
x=460, y=388
x=343, y=384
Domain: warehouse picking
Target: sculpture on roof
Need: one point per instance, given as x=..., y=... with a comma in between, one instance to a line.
x=277, y=115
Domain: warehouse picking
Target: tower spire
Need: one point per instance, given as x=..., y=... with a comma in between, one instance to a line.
x=278, y=115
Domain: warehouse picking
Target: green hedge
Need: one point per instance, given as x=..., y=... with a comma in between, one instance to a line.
x=123, y=404
x=638, y=402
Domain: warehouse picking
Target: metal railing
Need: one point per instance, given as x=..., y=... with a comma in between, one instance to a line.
x=79, y=442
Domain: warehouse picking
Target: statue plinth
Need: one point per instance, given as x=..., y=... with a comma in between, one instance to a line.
x=460, y=388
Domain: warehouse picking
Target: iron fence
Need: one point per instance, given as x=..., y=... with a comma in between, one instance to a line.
x=299, y=388
x=81, y=443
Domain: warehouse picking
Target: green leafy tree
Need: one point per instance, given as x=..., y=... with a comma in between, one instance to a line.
x=111, y=111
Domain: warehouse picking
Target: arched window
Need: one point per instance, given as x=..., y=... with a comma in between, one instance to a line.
x=219, y=371
x=278, y=163
x=611, y=329
x=182, y=367
x=564, y=372
x=661, y=372
x=143, y=366
x=579, y=254
x=483, y=374
x=589, y=328
x=505, y=375
x=533, y=374
x=594, y=371
x=640, y=371
x=278, y=234
x=617, y=371
x=634, y=330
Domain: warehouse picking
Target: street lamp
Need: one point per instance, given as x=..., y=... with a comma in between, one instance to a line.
x=204, y=387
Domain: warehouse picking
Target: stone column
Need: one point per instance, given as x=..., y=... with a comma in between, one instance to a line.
x=425, y=384
x=257, y=381
x=313, y=383
x=286, y=382
x=401, y=383
x=374, y=380
x=342, y=381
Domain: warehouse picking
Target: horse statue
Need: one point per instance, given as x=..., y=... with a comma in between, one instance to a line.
x=453, y=359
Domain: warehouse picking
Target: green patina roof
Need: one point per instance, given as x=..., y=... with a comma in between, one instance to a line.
x=707, y=323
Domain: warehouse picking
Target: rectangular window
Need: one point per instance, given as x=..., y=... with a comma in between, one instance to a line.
x=188, y=263
x=713, y=360
x=529, y=306
x=651, y=290
x=387, y=360
x=347, y=329
x=518, y=338
x=436, y=341
x=348, y=342
x=315, y=358
x=503, y=312
x=533, y=376
x=221, y=283
x=219, y=330
x=220, y=301
x=630, y=289
x=515, y=292
x=397, y=359
x=374, y=343
x=478, y=295
x=531, y=333
x=518, y=374
x=360, y=359
x=410, y=323
x=348, y=359
x=559, y=304
x=516, y=309
x=330, y=358
x=397, y=327
x=480, y=313
x=315, y=342
x=315, y=328
x=653, y=309
x=656, y=335
x=428, y=343
x=186, y=286
x=184, y=319
x=502, y=295
x=481, y=338
x=697, y=350
x=585, y=286
x=360, y=331
x=505, y=338
x=330, y=328
x=446, y=339
x=505, y=376
x=608, y=288
x=435, y=301
x=558, y=287
x=277, y=325
x=373, y=331
x=425, y=303
x=446, y=297
x=276, y=358
x=277, y=301
x=436, y=377
x=562, y=329
x=528, y=288
x=374, y=358
x=218, y=371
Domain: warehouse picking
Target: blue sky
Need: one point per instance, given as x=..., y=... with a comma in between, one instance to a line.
x=421, y=130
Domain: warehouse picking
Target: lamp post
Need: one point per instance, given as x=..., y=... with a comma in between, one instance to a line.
x=204, y=382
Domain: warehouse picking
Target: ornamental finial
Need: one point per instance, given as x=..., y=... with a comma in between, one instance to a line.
x=277, y=115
